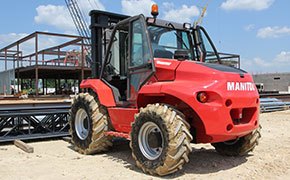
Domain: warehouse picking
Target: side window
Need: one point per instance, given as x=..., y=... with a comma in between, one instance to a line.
x=117, y=56
x=140, y=52
x=185, y=44
x=207, y=45
x=174, y=40
x=137, y=53
x=168, y=39
x=207, y=50
x=113, y=64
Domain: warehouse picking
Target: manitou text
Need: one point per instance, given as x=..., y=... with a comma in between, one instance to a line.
x=240, y=86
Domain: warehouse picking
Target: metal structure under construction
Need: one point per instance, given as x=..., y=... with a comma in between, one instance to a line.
x=41, y=56
x=31, y=119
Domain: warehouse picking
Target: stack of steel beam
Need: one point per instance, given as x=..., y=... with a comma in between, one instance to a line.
x=273, y=104
x=33, y=120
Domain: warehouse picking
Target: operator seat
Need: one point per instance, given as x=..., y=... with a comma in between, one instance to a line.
x=119, y=87
x=116, y=93
x=160, y=53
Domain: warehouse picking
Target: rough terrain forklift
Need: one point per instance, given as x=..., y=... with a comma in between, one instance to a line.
x=152, y=84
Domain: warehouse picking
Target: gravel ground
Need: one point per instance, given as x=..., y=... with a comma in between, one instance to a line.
x=56, y=159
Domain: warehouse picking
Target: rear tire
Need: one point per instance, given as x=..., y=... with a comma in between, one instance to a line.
x=160, y=140
x=88, y=123
x=241, y=146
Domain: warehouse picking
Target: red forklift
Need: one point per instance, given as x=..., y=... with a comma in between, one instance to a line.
x=153, y=84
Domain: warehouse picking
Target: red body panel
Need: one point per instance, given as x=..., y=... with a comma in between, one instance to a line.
x=230, y=111
x=217, y=122
x=121, y=118
x=165, y=69
x=103, y=91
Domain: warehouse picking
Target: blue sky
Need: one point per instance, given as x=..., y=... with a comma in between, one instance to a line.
x=258, y=30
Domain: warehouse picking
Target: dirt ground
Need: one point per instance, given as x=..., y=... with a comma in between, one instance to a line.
x=56, y=159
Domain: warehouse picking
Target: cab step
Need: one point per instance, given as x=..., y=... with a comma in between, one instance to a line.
x=118, y=134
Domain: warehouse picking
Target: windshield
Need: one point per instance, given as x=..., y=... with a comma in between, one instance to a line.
x=167, y=41
x=173, y=41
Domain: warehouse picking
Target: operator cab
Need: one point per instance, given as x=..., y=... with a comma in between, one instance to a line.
x=129, y=61
x=136, y=41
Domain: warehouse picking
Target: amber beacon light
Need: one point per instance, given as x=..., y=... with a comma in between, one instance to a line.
x=154, y=10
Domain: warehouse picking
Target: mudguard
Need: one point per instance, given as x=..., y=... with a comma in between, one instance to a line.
x=104, y=92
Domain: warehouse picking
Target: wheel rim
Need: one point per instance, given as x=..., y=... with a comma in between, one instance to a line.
x=82, y=124
x=150, y=140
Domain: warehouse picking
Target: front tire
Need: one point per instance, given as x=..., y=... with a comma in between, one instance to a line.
x=160, y=140
x=241, y=146
x=88, y=123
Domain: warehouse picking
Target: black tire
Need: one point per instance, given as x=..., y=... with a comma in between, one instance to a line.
x=171, y=134
x=95, y=124
x=241, y=146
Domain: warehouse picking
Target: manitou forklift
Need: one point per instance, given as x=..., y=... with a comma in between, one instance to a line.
x=151, y=84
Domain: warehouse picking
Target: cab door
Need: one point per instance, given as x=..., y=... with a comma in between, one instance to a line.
x=141, y=62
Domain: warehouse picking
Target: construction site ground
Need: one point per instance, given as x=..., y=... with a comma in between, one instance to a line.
x=34, y=101
x=55, y=159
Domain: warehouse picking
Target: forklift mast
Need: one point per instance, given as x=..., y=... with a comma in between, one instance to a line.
x=100, y=21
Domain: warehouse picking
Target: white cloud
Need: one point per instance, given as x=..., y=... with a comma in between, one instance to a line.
x=258, y=65
x=283, y=57
x=135, y=7
x=59, y=17
x=6, y=39
x=88, y=5
x=249, y=27
x=280, y=63
x=183, y=14
x=256, y=5
x=56, y=16
x=168, y=5
x=273, y=32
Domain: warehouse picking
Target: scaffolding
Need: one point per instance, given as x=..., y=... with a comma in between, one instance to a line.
x=41, y=56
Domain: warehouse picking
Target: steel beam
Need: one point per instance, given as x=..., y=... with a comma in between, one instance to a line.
x=33, y=121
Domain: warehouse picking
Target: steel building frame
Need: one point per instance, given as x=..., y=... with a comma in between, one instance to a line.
x=37, y=60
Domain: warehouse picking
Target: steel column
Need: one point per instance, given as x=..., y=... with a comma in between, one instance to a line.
x=36, y=64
